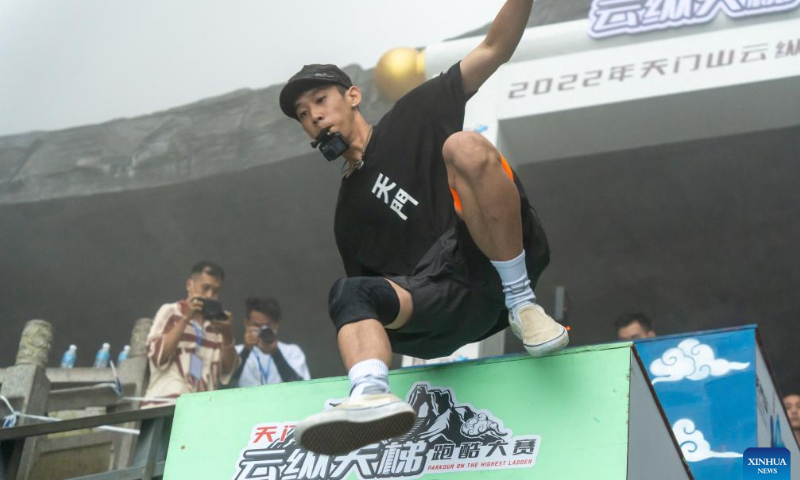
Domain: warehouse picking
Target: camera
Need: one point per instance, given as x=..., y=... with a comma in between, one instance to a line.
x=330, y=144
x=266, y=335
x=212, y=310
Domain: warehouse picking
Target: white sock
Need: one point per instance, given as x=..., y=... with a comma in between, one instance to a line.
x=516, y=284
x=368, y=377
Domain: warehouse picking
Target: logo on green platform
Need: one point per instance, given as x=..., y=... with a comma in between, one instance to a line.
x=448, y=436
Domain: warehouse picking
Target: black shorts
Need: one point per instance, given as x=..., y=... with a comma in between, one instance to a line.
x=457, y=293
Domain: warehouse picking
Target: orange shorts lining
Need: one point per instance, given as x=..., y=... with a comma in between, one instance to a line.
x=457, y=199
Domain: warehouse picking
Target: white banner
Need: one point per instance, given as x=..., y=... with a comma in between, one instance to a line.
x=665, y=67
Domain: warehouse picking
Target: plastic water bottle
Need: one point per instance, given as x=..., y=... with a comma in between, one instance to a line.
x=68, y=360
x=101, y=360
x=123, y=355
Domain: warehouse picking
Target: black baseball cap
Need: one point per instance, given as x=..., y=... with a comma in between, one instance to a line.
x=310, y=76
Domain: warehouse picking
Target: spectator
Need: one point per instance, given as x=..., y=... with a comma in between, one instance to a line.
x=633, y=326
x=792, y=404
x=189, y=349
x=265, y=359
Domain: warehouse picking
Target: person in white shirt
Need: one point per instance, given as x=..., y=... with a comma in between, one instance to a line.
x=265, y=359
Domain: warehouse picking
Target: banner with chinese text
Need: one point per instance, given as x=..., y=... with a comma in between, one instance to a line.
x=503, y=418
x=701, y=61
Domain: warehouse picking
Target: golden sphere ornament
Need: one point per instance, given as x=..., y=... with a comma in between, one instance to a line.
x=398, y=71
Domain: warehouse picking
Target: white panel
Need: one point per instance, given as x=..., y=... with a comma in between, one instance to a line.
x=666, y=67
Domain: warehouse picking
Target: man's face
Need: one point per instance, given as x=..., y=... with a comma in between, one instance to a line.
x=634, y=331
x=792, y=404
x=325, y=107
x=203, y=285
x=260, y=320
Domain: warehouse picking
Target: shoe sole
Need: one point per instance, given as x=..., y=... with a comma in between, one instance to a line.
x=550, y=346
x=340, y=431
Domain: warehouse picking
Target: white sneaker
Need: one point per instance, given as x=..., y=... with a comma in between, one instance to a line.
x=355, y=423
x=540, y=334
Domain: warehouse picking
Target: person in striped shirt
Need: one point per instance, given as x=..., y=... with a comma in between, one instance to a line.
x=188, y=352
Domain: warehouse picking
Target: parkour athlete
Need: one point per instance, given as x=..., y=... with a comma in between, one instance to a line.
x=440, y=245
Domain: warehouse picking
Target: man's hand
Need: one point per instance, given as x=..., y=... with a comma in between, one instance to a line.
x=251, y=337
x=195, y=307
x=269, y=348
x=224, y=328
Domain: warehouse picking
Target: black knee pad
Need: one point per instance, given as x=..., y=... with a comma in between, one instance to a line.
x=361, y=298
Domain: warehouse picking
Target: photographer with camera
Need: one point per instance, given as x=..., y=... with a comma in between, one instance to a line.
x=265, y=359
x=190, y=345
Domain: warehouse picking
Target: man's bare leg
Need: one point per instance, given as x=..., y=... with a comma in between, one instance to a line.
x=371, y=413
x=367, y=339
x=489, y=199
x=364, y=340
x=490, y=207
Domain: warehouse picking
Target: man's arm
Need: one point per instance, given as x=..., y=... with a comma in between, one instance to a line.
x=242, y=355
x=170, y=342
x=228, y=357
x=498, y=46
x=172, y=337
x=228, y=351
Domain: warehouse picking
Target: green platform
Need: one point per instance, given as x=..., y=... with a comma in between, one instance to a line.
x=586, y=413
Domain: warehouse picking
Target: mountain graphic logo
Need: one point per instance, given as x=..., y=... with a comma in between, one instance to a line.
x=447, y=436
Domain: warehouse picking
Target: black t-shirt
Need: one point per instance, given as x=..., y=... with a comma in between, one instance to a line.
x=393, y=209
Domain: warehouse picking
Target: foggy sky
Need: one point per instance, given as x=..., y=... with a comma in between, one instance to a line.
x=69, y=63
